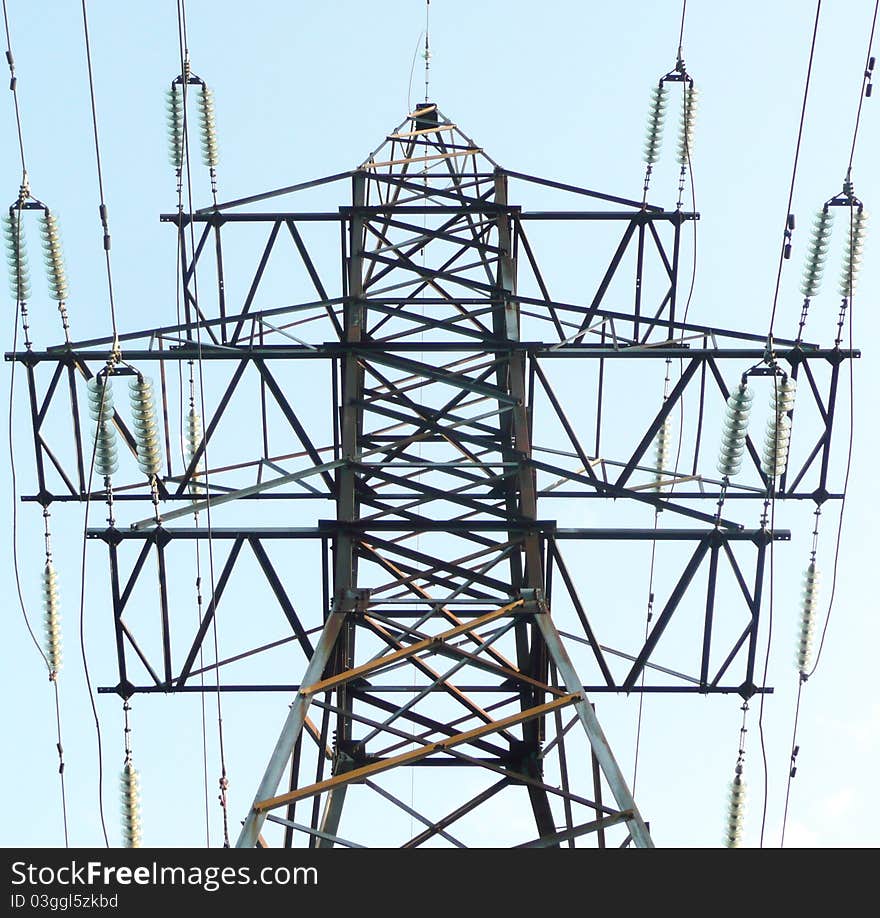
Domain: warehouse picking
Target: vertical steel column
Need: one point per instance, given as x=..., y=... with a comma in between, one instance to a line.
x=545, y=643
x=348, y=509
x=523, y=503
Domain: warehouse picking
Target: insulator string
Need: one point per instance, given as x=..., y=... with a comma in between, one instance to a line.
x=736, y=802
x=130, y=790
x=687, y=130
x=778, y=431
x=653, y=139
x=59, y=288
x=735, y=430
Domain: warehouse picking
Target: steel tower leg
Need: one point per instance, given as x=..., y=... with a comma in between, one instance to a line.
x=616, y=781
x=291, y=730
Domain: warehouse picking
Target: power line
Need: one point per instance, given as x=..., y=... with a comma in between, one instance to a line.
x=686, y=167
x=681, y=29
x=849, y=454
x=864, y=92
x=783, y=248
x=224, y=780
x=13, y=85
x=102, y=211
x=865, y=87
x=102, y=208
x=24, y=193
x=82, y=638
x=792, y=766
x=184, y=59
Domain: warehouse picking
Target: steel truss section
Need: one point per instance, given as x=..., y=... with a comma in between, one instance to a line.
x=460, y=629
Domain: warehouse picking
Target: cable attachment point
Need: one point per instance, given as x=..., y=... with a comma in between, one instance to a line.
x=794, y=754
x=12, y=79
x=789, y=229
x=769, y=357
x=105, y=225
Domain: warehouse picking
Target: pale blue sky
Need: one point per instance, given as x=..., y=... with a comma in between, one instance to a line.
x=558, y=89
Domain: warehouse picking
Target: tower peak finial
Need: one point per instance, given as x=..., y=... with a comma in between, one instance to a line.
x=426, y=54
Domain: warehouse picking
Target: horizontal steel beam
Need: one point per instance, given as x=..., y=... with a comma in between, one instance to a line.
x=556, y=493
x=291, y=687
x=486, y=207
x=328, y=528
x=337, y=349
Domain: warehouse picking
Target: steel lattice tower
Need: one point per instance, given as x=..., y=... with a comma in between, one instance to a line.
x=461, y=395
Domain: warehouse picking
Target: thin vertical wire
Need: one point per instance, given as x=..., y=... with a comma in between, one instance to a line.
x=224, y=781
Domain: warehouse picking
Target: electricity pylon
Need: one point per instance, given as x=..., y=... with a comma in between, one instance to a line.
x=458, y=394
